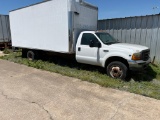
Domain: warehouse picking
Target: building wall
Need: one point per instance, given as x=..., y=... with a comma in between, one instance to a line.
x=143, y=30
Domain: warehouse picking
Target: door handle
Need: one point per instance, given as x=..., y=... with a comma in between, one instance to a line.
x=79, y=48
x=105, y=50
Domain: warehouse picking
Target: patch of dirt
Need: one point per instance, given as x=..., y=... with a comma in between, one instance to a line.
x=155, y=81
x=1, y=53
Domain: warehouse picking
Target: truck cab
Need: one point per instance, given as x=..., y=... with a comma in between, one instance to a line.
x=101, y=49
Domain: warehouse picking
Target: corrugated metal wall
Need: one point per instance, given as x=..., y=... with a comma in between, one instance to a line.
x=143, y=30
x=5, y=35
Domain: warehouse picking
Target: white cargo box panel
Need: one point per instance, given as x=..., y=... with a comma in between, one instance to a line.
x=84, y=19
x=52, y=25
x=42, y=26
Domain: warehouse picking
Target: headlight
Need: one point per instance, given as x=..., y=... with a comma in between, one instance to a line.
x=136, y=56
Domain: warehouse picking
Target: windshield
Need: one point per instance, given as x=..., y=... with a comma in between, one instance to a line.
x=106, y=38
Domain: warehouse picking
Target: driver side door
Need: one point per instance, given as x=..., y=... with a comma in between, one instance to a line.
x=87, y=54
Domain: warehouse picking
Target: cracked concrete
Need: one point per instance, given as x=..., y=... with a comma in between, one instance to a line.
x=120, y=105
x=31, y=94
x=15, y=109
x=17, y=99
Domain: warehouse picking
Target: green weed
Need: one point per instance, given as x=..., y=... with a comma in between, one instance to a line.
x=7, y=51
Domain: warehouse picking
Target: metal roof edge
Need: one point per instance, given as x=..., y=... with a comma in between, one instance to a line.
x=129, y=17
x=30, y=5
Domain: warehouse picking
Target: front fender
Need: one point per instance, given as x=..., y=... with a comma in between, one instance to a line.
x=115, y=54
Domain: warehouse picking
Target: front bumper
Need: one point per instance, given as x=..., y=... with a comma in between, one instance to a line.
x=138, y=65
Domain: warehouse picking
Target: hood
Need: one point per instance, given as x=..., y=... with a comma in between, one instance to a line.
x=127, y=46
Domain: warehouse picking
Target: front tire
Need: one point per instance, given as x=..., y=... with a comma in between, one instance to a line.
x=117, y=70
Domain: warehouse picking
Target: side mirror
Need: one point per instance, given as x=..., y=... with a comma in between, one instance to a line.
x=99, y=45
x=91, y=44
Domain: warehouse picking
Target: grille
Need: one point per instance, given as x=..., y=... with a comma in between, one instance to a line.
x=145, y=55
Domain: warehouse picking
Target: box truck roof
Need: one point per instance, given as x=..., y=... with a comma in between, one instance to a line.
x=81, y=1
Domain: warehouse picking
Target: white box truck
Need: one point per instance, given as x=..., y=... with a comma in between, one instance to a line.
x=69, y=26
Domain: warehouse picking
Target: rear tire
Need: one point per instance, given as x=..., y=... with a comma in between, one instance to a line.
x=117, y=70
x=31, y=55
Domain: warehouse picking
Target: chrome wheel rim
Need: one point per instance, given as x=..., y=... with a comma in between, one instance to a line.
x=116, y=72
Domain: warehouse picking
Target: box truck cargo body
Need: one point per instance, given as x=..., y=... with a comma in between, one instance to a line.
x=69, y=26
x=52, y=25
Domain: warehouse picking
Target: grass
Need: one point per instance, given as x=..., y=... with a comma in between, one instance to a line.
x=7, y=51
x=146, y=83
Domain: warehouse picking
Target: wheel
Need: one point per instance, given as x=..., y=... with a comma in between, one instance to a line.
x=117, y=70
x=30, y=55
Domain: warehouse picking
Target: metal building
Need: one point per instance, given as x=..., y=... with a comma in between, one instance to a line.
x=143, y=30
x=5, y=35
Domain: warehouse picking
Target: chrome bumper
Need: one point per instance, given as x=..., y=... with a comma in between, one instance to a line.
x=138, y=65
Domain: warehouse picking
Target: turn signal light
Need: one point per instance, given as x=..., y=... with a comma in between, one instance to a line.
x=136, y=56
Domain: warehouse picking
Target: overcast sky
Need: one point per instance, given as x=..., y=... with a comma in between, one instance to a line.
x=107, y=8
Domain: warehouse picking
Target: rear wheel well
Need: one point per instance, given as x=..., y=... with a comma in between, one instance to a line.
x=120, y=59
x=30, y=53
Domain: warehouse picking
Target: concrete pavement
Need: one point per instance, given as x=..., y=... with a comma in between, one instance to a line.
x=32, y=94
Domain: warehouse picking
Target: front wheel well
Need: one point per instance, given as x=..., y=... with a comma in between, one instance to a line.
x=120, y=59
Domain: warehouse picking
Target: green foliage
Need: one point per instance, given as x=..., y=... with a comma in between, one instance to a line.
x=147, y=83
x=7, y=51
x=156, y=70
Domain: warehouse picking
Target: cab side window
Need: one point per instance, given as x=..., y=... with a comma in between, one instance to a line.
x=87, y=38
